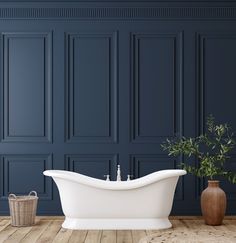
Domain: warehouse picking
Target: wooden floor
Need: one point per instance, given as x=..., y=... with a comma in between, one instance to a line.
x=48, y=229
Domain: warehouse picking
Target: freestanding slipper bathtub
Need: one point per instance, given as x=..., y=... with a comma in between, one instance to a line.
x=90, y=203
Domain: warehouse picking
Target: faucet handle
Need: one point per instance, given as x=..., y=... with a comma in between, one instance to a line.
x=129, y=177
x=107, y=177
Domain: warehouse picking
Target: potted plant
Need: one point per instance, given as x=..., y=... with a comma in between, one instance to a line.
x=211, y=150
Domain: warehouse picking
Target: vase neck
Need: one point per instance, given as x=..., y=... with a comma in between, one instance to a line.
x=213, y=183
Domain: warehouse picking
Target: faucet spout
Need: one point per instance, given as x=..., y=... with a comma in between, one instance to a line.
x=118, y=177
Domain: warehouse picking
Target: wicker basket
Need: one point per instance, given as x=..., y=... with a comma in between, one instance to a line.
x=23, y=209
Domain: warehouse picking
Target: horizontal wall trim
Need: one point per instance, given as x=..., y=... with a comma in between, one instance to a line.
x=118, y=12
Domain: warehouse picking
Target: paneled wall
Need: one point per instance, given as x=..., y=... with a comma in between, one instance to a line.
x=85, y=86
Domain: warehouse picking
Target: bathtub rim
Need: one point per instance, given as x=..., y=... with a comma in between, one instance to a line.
x=115, y=185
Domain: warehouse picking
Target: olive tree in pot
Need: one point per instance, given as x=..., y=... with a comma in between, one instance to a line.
x=212, y=150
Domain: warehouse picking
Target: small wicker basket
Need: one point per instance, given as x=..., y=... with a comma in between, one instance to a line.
x=23, y=209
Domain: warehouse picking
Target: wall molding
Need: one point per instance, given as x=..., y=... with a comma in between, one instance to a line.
x=201, y=93
x=46, y=133
x=112, y=84
x=30, y=160
x=177, y=92
x=109, y=159
x=142, y=12
x=201, y=38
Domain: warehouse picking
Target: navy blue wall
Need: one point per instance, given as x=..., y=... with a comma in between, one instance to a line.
x=85, y=85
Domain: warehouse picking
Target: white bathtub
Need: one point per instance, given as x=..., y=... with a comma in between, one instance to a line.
x=90, y=203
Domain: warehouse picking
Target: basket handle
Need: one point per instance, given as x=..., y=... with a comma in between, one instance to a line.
x=12, y=196
x=33, y=193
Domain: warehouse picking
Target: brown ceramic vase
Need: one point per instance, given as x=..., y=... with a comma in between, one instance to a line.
x=213, y=203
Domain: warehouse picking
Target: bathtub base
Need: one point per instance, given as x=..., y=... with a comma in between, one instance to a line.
x=116, y=224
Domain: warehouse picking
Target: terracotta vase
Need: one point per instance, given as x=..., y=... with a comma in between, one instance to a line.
x=213, y=203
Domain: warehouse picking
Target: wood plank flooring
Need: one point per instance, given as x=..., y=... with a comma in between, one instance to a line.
x=48, y=229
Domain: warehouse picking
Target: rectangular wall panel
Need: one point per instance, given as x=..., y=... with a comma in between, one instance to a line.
x=96, y=165
x=216, y=75
x=144, y=164
x=216, y=79
x=23, y=173
x=156, y=86
x=27, y=97
x=91, y=102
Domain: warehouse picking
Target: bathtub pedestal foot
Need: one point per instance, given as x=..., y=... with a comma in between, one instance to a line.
x=101, y=223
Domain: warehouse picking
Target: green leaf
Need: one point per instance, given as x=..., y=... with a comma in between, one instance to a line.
x=211, y=149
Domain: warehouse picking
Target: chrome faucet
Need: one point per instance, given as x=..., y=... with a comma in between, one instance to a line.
x=118, y=177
